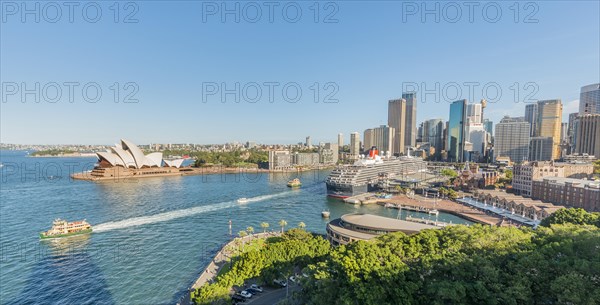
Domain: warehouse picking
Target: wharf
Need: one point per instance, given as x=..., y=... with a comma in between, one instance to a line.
x=423, y=204
x=366, y=198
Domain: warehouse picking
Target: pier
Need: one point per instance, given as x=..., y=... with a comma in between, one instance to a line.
x=422, y=204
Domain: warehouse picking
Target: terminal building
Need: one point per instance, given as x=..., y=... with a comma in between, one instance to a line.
x=353, y=227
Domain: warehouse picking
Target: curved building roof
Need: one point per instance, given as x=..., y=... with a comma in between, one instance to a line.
x=153, y=159
x=125, y=156
x=381, y=223
x=136, y=152
x=128, y=155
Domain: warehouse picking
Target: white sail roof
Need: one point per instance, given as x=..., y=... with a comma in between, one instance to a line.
x=127, y=158
x=128, y=155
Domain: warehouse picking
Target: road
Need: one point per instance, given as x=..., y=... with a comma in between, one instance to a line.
x=271, y=297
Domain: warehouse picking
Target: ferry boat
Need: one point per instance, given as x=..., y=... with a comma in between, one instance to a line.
x=294, y=183
x=62, y=228
x=362, y=176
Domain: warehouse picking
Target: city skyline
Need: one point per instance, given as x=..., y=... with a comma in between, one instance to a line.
x=500, y=54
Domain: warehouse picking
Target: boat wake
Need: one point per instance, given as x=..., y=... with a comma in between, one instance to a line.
x=161, y=217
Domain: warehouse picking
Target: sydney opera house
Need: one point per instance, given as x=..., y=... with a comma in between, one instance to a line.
x=126, y=160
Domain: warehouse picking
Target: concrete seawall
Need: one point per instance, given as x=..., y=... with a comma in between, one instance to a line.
x=210, y=272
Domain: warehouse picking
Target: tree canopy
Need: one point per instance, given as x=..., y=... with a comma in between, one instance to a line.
x=463, y=265
x=557, y=263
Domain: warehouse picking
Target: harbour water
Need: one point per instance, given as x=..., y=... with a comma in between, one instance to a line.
x=151, y=236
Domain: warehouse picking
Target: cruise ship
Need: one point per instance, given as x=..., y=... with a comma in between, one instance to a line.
x=362, y=176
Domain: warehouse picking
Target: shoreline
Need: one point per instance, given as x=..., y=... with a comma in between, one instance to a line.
x=74, y=155
x=187, y=171
x=220, y=259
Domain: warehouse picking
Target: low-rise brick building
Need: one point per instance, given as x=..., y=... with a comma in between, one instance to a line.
x=577, y=193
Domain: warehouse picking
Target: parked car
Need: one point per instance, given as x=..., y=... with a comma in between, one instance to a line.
x=254, y=290
x=246, y=294
x=280, y=283
x=256, y=287
x=238, y=298
x=293, y=279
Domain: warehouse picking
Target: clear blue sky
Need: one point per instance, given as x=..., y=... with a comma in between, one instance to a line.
x=369, y=53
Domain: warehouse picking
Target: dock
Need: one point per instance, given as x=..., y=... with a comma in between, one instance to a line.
x=422, y=204
x=366, y=198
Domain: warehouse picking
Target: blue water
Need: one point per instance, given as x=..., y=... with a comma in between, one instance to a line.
x=152, y=236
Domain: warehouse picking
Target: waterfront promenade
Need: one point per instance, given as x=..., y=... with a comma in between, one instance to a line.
x=221, y=258
x=426, y=204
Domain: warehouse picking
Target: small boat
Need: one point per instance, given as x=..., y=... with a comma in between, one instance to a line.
x=434, y=212
x=62, y=228
x=325, y=214
x=294, y=183
x=242, y=200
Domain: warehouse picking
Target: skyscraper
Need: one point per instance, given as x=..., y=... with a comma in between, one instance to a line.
x=548, y=123
x=531, y=111
x=456, y=130
x=589, y=99
x=488, y=125
x=475, y=113
x=340, y=140
x=433, y=133
x=355, y=145
x=540, y=149
x=588, y=135
x=572, y=131
x=397, y=120
x=308, y=142
x=410, y=136
x=512, y=139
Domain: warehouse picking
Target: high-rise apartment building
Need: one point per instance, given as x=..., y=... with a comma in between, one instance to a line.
x=382, y=137
x=456, y=130
x=531, y=111
x=397, y=120
x=308, y=142
x=589, y=99
x=588, y=135
x=512, y=139
x=355, y=145
x=340, y=140
x=548, y=123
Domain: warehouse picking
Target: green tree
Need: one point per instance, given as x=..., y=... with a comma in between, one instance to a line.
x=250, y=230
x=449, y=172
x=264, y=226
x=242, y=234
x=508, y=173
x=301, y=225
x=282, y=223
x=576, y=216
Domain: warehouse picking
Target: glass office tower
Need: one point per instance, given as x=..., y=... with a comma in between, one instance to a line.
x=456, y=130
